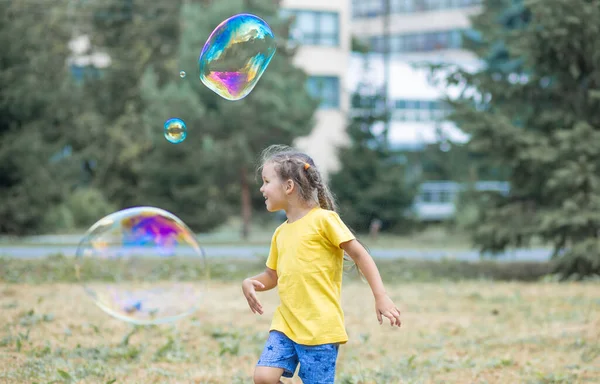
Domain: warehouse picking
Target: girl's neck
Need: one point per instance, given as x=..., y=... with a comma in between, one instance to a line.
x=296, y=212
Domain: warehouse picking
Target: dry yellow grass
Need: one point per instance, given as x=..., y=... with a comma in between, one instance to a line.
x=471, y=332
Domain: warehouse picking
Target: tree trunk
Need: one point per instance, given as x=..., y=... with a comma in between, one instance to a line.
x=246, y=204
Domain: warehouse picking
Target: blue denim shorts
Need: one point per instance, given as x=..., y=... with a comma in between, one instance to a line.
x=317, y=362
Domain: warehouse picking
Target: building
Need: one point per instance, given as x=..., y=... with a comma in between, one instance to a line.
x=436, y=200
x=323, y=30
x=420, y=32
x=418, y=29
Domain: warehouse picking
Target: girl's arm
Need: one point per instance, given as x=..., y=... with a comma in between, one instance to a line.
x=261, y=282
x=383, y=304
x=268, y=279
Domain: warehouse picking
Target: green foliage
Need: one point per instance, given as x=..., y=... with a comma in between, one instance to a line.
x=446, y=161
x=60, y=219
x=102, y=134
x=580, y=260
x=203, y=177
x=200, y=179
x=88, y=205
x=468, y=210
x=534, y=108
x=115, y=138
x=371, y=183
x=35, y=103
x=82, y=208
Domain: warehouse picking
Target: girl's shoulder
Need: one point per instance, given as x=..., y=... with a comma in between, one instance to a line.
x=327, y=218
x=322, y=213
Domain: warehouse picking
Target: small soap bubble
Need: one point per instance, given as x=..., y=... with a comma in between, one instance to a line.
x=236, y=55
x=123, y=262
x=175, y=130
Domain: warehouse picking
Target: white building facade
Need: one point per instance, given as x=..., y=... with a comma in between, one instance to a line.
x=420, y=32
x=323, y=29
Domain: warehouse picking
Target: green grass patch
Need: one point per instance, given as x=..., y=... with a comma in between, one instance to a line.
x=57, y=268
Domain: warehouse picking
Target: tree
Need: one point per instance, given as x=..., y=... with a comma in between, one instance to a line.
x=370, y=185
x=113, y=134
x=225, y=137
x=534, y=108
x=445, y=161
x=35, y=108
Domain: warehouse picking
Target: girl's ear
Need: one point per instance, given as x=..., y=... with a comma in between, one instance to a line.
x=289, y=186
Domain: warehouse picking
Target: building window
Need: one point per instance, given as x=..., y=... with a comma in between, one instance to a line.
x=419, y=42
x=427, y=197
x=315, y=28
x=374, y=8
x=367, y=8
x=420, y=110
x=326, y=89
x=446, y=197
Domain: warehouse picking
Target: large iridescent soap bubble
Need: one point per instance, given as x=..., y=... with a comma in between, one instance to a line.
x=131, y=264
x=236, y=55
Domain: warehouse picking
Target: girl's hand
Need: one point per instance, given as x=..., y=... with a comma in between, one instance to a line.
x=384, y=306
x=249, y=288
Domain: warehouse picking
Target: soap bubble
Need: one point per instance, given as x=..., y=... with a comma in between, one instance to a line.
x=236, y=55
x=182, y=74
x=175, y=130
x=130, y=263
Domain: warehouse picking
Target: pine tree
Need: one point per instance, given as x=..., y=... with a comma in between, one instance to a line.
x=535, y=108
x=112, y=133
x=370, y=184
x=212, y=173
x=35, y=107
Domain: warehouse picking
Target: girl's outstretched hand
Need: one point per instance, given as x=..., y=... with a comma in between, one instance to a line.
x=249, y=288
x=384, y=306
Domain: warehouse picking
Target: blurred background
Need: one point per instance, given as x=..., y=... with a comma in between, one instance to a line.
x=460, y=137
x=446, y=128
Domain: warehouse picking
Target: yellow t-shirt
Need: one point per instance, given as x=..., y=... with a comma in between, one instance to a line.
x=309, y=262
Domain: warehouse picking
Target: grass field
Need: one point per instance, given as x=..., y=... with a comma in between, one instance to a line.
x=453, y=332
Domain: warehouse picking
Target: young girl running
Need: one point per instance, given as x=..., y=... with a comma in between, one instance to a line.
x=306, y=263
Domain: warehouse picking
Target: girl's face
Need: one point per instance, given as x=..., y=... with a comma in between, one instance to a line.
x=273, y=189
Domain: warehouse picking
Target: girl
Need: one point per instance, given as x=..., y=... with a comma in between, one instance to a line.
x=306, y=263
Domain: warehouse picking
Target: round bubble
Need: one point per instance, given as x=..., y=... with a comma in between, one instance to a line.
x=132, y=264
x=182, y=74
x=236, y=55
x=175, y=130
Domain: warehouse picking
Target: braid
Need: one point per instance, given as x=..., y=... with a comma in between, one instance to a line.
x=324, y=196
